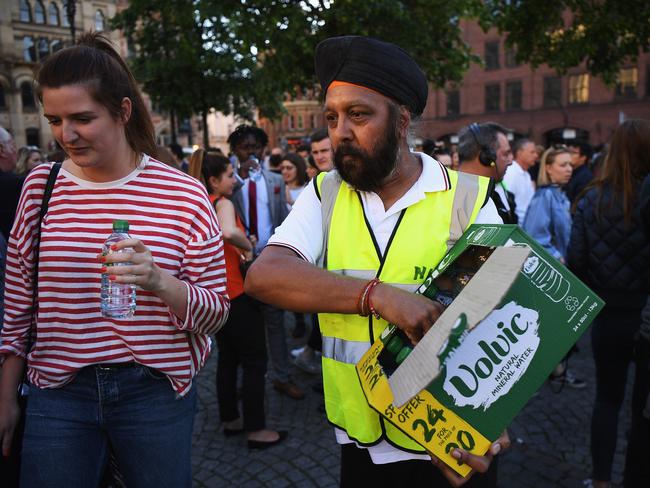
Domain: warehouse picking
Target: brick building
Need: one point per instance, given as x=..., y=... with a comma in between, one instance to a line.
x=536, y=103
x=304, y=115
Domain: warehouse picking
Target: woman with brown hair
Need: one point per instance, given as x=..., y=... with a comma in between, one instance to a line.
x=242, y=341
x=98, y=381
x=610, y=252
x=294, y=173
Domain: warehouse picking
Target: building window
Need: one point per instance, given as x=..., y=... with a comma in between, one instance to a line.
x=25, y=11
x=290, y=123
x=626, y=83
x=53, y=14
x=99, y=21
x=64, y=18
x=39, y=12
x=511, y=58
x=56, y=45
x=43, y=48
x=27, y=95
x=29, y=49
x=579, y=88
x=492, y=98
x=647, y=81
x=513, y=95
x=453, y=102
x=552, y=91
x=314, y=122
x=33, y=137
x=492, y=55
x=300, y=124
x=3, y=103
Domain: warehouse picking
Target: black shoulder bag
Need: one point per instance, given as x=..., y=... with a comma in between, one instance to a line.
x=10, y=467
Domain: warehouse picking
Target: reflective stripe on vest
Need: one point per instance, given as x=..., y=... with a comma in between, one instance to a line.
x=424, y=232
x=349, y=352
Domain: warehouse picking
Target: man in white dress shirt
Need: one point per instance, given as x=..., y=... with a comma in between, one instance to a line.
x=517, y=178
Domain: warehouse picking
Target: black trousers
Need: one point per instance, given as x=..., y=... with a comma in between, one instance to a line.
x=357, y=469
x=612, y=339
x=242, y=341
x=637, y=468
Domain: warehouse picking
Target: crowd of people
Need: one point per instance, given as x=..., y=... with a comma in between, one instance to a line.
x=224, y=244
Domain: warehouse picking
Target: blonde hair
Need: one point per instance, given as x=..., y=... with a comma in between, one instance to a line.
x=23, y=155
x=548, y=158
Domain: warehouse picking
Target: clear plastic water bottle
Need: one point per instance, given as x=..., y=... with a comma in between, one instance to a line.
x=117, y=299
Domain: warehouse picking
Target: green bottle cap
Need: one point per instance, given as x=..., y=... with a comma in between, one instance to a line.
x=395, y=344
x=120, y=225
x=403, y=354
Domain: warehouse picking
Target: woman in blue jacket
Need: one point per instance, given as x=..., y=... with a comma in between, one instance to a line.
x=548, y=218
x=610, y=252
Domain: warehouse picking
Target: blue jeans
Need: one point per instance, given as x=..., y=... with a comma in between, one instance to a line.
x=68, y=430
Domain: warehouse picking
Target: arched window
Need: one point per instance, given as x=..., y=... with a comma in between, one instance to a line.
x=39, y=12
x=43, y=48
x=56, y=45
x=25, y=11
x=27, y=95
x=99, y=21
x=29, y=50
x=53, y=14
x=64, y=17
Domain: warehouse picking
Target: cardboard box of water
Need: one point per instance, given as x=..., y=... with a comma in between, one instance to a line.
x=488, y=353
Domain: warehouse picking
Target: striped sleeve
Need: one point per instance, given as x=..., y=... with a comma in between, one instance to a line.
x=203, y=271
x=18, y=304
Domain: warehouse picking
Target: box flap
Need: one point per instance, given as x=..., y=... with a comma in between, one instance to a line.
x=480, y=296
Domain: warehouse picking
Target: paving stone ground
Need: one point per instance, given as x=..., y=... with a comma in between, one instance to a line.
x=550, y=437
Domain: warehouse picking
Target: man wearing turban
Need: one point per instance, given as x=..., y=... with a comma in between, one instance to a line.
x=350, y=245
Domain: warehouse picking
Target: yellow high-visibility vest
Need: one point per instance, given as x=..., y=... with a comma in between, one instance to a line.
x=423, y=234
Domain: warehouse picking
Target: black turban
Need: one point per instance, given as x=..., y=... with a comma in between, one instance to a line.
x=371, y=63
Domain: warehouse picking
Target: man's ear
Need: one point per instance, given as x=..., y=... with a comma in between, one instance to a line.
x=404, y=121
x=126, y=106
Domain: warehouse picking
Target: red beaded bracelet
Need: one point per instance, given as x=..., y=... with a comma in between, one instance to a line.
x=364, y=305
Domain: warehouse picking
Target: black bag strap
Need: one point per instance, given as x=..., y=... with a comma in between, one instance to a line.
x=49, y=187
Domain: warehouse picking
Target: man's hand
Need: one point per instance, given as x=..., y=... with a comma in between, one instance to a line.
x=413, y=314
x=477, y=463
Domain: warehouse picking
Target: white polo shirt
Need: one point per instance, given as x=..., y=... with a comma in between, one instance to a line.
x=302, y=231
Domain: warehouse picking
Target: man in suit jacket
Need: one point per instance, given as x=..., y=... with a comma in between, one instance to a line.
x=261, y=204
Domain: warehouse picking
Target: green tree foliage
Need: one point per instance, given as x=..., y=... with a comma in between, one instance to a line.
x=185, y=56
x=285, y=33
x=564, y=33
x=237, y=54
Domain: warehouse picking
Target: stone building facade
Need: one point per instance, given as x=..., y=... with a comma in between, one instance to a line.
x=31, y=30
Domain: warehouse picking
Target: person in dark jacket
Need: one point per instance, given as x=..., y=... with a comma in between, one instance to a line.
x=581, y=153
x=637, y=468
x=610, y=252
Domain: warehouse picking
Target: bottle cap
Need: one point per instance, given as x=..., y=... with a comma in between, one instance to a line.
x=121, y=225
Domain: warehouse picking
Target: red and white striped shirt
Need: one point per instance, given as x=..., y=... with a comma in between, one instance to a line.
x=171, y=214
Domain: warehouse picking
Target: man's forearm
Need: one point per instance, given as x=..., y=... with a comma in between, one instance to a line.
x=279, y=277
